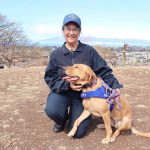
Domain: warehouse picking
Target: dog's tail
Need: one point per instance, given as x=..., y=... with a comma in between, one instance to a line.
x=140, y=133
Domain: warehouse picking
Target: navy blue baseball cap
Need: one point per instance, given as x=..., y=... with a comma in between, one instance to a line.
x=72, y=18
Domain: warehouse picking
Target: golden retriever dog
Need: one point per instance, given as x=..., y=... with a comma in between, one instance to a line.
x=120, y=118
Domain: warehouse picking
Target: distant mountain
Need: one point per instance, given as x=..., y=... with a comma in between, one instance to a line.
x=112, y=42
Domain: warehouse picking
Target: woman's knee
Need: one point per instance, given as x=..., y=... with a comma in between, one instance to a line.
x=56, y=108
x=50, y=108
x=55, y=115
x=50, y=112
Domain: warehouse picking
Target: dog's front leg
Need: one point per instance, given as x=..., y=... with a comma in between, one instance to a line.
x=107, y=122
x=82, y=117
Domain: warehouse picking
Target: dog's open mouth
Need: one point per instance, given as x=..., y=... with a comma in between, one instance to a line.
x=72, y=78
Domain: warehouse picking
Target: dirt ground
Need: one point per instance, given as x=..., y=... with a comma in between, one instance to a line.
x=24, y=126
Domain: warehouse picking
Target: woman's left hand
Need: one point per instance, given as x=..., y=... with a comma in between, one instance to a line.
x=75, y=87
x=72, y=80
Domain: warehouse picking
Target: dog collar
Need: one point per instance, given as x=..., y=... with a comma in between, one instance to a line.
x=90, y=84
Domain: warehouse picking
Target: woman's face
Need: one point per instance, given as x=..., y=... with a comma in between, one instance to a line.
x=71, y=33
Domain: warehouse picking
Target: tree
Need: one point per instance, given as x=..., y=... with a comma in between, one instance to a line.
x=124, y=49
x=11, y=37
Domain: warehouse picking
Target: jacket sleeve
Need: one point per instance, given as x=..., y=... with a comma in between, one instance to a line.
x=102, y=70
x=51, y=77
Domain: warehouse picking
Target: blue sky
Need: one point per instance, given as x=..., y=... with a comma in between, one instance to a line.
x=42, y=19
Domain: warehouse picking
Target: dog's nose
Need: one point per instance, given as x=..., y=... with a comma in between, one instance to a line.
x=65, y=67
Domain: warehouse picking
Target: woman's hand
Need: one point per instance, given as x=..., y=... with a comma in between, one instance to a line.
x=72, y=80
x=75, y=87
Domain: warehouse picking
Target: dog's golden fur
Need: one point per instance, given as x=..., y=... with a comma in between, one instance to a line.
x=120, y=119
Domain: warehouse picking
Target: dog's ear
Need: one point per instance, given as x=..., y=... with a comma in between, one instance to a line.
x=90, y=75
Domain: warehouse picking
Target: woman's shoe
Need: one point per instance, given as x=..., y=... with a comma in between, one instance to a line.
x=58, y=128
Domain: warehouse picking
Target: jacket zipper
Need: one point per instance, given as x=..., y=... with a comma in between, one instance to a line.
x=72, y=53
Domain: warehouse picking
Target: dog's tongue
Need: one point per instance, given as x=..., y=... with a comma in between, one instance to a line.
x=70, y=78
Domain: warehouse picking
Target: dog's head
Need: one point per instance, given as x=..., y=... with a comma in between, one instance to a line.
x=83, y=73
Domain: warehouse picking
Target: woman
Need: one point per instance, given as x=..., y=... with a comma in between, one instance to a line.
x=64, y=102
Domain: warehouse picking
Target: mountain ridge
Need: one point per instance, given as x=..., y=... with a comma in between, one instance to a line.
x=98, y=41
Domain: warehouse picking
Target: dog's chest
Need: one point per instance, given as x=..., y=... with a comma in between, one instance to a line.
x=88, y=105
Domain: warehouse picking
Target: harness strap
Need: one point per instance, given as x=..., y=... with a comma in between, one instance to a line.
x=99, y=92
x=114, y=98
x=105, y=92
x=113, y=95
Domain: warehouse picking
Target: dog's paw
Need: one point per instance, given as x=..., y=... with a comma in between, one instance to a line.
x=101, y=126
x=71, y=134
x=112, y=139
x=105, y=140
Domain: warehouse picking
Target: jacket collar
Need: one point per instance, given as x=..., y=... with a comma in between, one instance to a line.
x=67, y=51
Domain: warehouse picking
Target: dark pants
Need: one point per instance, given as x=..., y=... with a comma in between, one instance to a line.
x=67, y=107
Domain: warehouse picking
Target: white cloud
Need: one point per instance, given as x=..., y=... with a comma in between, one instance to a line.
x=46, y=29
x=115, y=33
x=43, y=31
